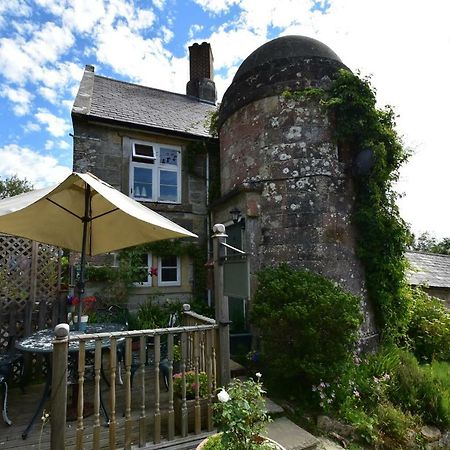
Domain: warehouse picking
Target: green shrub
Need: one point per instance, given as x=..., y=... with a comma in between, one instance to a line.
x=420, y=391
x=394, y=425
x=309, y=325
x=429, y=327
x=152, y=314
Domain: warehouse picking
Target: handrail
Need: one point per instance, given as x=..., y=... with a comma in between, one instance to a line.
x=137, y=333
x=200, y=317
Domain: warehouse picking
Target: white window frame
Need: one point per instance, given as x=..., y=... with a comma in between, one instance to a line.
x=156, y=167
x=149, y=276
x=177, y=282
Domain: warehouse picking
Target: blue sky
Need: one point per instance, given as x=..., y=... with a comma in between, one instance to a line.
x=45, y=44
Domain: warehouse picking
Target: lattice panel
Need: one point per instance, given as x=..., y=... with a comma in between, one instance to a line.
x=28, y=271
x=29, y=282
x=47, y=271
x=15, y=271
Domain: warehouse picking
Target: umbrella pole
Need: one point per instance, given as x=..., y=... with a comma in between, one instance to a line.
x=81, y=283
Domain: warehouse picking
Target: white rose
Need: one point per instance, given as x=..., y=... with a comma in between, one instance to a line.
x=223, y=396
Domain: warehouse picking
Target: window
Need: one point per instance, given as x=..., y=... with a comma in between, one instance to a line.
x=144, y=275
x=169, y=271
x=155, y=172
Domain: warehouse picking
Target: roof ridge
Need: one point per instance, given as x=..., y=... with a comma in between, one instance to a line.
x=427, y=253
x=152, y=88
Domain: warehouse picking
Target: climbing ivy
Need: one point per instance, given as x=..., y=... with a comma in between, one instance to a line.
x=178, y=247
x=130, y=263
x=382, y=234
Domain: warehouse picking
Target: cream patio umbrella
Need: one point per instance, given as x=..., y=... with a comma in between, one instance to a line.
x=87, y=215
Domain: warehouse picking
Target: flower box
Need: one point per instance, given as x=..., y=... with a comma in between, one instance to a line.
x=190, y=404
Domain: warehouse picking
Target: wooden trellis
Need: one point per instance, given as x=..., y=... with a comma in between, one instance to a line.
x=30, y=275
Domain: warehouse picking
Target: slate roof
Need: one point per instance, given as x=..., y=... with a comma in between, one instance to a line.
x=429, y=269
x=105, y=99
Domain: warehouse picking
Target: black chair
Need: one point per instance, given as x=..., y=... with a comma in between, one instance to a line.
x=149, y=355
x=114, y=314
x=9, y=359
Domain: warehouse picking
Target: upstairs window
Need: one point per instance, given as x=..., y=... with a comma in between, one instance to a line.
x=155, y=173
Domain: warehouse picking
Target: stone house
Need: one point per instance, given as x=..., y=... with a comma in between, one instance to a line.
x=286, y=191
x=431, y=271
x=137, y=139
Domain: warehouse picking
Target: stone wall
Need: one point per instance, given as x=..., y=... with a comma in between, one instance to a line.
x=283, y=148
x=105, y=152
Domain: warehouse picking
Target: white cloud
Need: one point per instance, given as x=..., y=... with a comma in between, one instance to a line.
x=15, y=8
x=22, y=60
x=83, y=15
x=167, y=34
x=49, y=145
x=40, y=170
x=144, y=60
x=159, y=4
x=63, y=145
x=20, y=97
x=56, y=126
x=194, y=29
x=30, y=127
x=216, y=6
x=49, y=94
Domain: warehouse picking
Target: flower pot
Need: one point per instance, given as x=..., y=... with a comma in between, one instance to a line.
x=83, y=323
x=190, y=404
x=276, y=445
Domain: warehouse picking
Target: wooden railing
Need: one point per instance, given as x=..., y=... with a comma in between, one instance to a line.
x=147, y=414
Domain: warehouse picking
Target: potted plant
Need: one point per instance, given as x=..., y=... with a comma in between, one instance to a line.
x=241, y=417
x=191, y=388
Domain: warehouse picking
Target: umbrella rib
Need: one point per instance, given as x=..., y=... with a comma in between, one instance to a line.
x=105, y=213
x=64, y=208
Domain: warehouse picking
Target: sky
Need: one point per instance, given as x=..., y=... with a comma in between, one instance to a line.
x=45, y=44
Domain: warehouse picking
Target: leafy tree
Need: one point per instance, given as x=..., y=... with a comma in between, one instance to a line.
x=13, y=185
x=428, y=243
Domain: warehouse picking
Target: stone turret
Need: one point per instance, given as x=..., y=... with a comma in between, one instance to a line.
x=282, y=168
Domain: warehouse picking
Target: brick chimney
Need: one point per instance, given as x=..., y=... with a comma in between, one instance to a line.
x=201, y=84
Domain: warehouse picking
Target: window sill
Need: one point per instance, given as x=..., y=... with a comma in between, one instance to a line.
x=168, y=207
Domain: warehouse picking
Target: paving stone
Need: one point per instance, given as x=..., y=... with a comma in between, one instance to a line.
x=290, y=435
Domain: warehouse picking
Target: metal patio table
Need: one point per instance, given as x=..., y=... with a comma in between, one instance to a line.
x=41, y=342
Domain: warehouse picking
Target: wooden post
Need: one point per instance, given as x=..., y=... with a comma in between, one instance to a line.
x=221, y=306
x=59, y=388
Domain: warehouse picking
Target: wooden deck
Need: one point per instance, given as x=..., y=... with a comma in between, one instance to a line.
x=22, y=407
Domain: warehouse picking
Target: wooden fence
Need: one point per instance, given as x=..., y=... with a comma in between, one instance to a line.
x=30, y=297
x=150, y=416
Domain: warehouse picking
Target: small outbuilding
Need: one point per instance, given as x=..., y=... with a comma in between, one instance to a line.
x=432, y=272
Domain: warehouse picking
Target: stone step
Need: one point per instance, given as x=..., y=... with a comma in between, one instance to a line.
x=273, y=409
x=290, y=435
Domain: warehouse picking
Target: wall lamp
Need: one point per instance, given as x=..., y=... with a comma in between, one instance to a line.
x=237, y=217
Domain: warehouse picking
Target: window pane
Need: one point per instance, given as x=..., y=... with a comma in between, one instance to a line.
x=168, y=274
x=142, y=183
x=169, y=261
x=168, y=186
x=143, y=153
x=168, y=156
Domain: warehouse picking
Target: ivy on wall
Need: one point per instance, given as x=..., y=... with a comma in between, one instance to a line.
x=130, y=265
x=360, y=126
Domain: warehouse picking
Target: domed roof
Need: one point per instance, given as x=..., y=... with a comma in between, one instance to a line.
x=285, y=47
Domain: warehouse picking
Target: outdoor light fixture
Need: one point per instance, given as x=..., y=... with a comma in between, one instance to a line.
x=236, y=216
